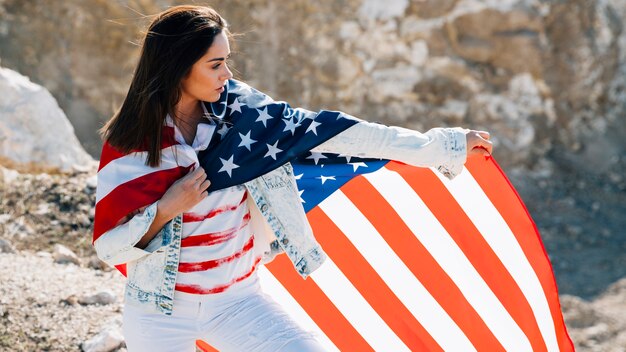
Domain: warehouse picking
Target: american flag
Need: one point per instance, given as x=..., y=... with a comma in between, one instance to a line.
x=420, y=263
x=416, y=261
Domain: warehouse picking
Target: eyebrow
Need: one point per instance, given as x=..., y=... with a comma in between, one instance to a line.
x=219, y=58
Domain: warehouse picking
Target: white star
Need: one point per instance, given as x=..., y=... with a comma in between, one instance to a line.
x=326, y=178
x=348, y=157
x=272, y=150
x=228, y=166
x=235, y=106
x=312, y=127
x=223, y=130
x=357, y=165
x=290, y=126
x=246, y=141
x=263, y=116
x=316, y=156
x=300, y=194
x=297, y=177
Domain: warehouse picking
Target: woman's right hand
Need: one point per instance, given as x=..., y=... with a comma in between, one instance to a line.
x=185, y=193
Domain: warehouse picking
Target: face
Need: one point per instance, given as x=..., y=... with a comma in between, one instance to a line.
x=207, y=76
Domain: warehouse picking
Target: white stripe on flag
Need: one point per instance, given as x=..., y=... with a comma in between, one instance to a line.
x=124, y=169
x=394, y=272
x=450, y=257
x=355, y=308
x=274, y=288
x=501, y=239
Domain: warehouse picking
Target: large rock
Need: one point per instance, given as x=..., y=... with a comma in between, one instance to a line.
x=34, y=132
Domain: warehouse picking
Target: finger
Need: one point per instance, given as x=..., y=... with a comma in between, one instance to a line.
x=484, y=134
x=480, y=150
x=198, y=174
x=487, y=146
x=204, y=185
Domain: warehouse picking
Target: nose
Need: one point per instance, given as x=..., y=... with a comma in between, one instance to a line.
x=228, y=74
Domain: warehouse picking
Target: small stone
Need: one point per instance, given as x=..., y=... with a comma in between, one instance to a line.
x=92, y=181
x=95, y=263
x=19, y=228
x=7, y=176
x=63, y=255
x=82, y=220
x=6, y=246
x=42, y=209
x=44, y=254
x=72, y=300
x=107, y=340
x=4, y=218
x=102, y=298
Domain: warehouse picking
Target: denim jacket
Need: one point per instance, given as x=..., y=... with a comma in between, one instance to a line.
x=277, y=216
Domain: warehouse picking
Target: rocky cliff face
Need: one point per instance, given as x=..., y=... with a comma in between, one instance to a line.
x=547, y=78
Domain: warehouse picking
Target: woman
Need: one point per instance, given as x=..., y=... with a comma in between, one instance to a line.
x=195, y=190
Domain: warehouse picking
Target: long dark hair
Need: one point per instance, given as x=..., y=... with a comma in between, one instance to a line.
x=175, y=40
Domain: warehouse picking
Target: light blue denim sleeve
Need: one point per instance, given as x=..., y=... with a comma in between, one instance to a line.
x=117, y=246
x=442, y=148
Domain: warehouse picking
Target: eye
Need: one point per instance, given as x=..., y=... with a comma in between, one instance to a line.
x=216, y=66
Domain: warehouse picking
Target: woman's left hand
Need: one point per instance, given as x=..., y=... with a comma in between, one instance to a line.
x=478, y=143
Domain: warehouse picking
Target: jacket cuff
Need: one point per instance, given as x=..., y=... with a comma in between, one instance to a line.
x=117, y=246
x=455, y=145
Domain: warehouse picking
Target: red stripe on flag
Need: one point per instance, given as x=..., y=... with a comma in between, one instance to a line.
x=197, y=289
x=210, y=264
x=452, y=217
x=192, y=217
x=121, y=268
x=370, y=284
x=116, y=205
x=109, y=153
x=205, y=347
x=213, y=238
x=318, y=306
x=421, y=263
x=504, y=197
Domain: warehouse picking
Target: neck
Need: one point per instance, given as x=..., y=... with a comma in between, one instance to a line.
x=188, y=109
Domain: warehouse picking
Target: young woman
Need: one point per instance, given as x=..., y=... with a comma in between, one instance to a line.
x=195, y=190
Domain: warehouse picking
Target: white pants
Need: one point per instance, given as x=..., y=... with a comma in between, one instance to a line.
x=254, y=322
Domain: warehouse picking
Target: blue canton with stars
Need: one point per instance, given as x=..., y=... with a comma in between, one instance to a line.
x=320, y=174
x=256, y=134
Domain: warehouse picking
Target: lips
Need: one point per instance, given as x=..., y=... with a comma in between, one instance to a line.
x=220, y=89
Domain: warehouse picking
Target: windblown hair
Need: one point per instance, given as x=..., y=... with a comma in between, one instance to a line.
x=175, y=40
